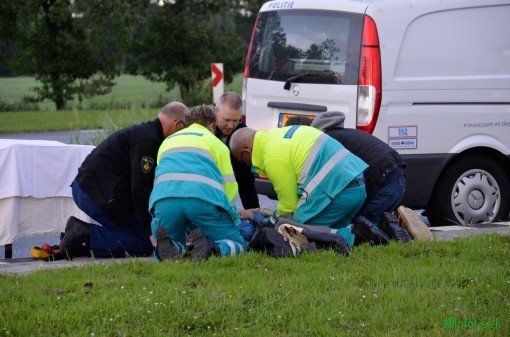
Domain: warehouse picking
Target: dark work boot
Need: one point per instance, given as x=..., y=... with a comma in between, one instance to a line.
x=76, y=238
x=164, y=248
x=364, y=231
x=203, y=247
x=390, y=225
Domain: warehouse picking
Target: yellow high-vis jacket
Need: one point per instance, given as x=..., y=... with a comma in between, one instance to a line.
x=306, y=167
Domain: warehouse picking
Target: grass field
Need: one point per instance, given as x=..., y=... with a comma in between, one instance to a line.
x=132, y=100
x=134, y=91
x=13, y=122
x=459, y=288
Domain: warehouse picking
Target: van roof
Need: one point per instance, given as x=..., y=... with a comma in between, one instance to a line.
x=361, y=6
x=347, y=5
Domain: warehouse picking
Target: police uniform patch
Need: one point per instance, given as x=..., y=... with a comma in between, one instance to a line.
x=147, y=164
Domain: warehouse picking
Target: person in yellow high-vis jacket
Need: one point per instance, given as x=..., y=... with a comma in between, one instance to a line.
x=316, y=179
x=194, y=188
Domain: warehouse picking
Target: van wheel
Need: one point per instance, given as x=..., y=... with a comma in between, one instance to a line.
x=473, y=190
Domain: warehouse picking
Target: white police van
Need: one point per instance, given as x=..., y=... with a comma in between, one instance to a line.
x=430, y=78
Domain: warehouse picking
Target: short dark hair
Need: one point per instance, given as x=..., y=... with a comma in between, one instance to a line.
x=203, y=115
x=298, y=120
x=230, y=99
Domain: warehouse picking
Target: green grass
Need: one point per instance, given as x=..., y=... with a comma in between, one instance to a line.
x=132, y=100
x=139, y=99
x=396, y=290
x=13, y=122
x=130, y=91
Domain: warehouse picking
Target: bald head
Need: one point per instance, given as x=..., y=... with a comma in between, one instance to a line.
x=175, y=110
x=241, y=145
x=173, y=117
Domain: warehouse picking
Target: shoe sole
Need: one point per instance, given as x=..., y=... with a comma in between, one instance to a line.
x=391, y=227
x=373, y=235
x=200, y=245
x=166, y=249
x=363, y=235
x=410, y=221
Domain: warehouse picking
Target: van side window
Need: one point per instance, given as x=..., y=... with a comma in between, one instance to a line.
x=319, y=46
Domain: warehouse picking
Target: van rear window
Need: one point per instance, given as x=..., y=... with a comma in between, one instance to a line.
x=310, y=46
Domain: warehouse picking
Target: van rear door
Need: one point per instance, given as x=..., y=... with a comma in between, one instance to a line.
x=302, y=61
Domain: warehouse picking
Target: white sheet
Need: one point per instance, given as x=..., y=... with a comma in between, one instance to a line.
x=35, y=196
x=26, y=216
x=38, y=168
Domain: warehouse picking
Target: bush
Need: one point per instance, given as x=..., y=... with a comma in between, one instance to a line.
x=26, y=103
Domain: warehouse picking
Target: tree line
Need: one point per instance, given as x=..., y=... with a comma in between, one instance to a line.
x=76, y=48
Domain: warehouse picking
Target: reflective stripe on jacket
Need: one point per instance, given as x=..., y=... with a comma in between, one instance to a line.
x=194, y=163
x=307, y=167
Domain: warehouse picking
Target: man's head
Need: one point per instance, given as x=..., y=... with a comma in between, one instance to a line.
x=228, y=112
x=241, y=145
x=173, y=117
x=203, y=115
x=298, y=120
x=329, y=120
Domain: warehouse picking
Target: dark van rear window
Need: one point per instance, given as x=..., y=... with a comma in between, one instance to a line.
x=310, y=45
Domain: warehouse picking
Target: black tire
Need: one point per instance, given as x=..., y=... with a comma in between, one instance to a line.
x=473, y=190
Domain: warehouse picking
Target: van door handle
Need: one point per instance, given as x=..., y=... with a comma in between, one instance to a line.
x=297, y=106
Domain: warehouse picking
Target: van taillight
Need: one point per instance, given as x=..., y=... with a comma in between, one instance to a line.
x=369, y=82
x=248, y=56
x=246, y=74
x=243, y=98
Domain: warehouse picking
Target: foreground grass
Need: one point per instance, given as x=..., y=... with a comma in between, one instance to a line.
x=419, y=289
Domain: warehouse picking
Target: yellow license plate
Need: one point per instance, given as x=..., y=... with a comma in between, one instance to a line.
x=283, y=118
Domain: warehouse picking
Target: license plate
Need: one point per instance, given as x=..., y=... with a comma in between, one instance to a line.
x=283, y=118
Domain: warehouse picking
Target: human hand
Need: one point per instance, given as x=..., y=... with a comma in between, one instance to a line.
x=270, y=221
x=245, y=214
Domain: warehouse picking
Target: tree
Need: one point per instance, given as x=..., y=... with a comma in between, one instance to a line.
x=182, y=38
x=68, y=44
x=7, y=36
x=75, y=48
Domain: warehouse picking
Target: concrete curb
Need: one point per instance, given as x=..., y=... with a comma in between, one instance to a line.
x=448, y=233
x=23, y=266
